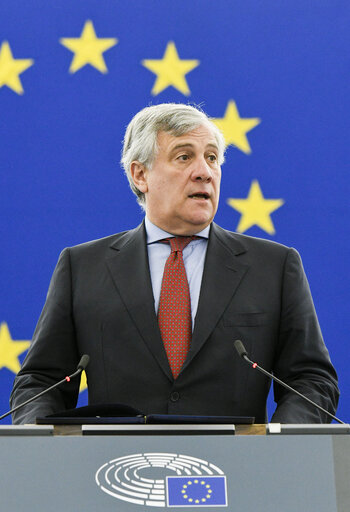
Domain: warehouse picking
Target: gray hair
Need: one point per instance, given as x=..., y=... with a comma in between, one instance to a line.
x=140, y=141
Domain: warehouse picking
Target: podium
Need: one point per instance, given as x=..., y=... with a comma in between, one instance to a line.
x=134, y=470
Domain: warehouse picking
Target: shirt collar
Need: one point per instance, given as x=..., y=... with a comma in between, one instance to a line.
x=154, y=233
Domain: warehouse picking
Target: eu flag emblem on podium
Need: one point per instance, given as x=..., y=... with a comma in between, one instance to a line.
x=205, y=491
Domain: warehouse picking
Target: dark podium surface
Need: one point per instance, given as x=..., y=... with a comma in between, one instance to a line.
x=130, y=473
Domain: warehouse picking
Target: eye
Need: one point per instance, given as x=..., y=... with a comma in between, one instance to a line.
x=183, y=158
x=212, y=157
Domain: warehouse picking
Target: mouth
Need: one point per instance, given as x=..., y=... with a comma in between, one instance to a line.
x=199, y=195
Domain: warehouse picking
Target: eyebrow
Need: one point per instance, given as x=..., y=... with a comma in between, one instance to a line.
x=189, y=145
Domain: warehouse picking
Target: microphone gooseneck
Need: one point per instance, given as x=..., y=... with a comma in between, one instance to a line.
x=84, y=361
x=244, y=355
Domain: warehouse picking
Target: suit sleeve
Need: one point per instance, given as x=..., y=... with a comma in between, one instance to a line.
x=52, y=355
x=302, y=359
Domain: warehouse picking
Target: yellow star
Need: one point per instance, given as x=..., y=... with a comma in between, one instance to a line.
x=88, y=49
x=235, y=128
x=170, y=70
x=11, y=68
x=255, y=210
x=10, y=349
x=83, y=382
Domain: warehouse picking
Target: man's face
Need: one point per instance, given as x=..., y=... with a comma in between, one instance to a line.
x=182, y=188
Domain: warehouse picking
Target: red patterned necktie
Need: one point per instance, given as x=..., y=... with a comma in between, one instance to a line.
x=174, y=312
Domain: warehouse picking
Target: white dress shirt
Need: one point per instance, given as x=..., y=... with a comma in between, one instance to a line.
x=193, y=256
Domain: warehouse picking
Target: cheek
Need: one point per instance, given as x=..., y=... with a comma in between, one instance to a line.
x=165, y=194
x=217, y=187
x=158, y=187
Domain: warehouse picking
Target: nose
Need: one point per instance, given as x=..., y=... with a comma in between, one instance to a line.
x=201, y=170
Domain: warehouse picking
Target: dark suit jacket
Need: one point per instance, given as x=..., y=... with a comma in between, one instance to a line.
x=100, y=303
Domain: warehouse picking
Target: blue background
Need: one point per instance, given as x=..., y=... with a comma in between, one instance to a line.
x=286, y=63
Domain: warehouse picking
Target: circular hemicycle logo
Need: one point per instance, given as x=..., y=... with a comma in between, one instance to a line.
x=187, y=481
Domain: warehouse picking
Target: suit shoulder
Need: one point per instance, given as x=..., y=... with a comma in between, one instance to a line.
x=255, y=249
x=262, y=243
x=250, y=242
x=100, y=245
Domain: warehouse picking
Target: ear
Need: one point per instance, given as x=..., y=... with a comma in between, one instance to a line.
x=139, y=176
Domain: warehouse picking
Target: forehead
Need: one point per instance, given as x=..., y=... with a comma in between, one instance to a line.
x=201, y=137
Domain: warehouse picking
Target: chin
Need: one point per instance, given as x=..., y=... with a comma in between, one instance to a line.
x=200, y=221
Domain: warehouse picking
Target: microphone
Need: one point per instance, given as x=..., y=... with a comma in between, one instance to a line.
x=244, y=355
x=84, y=361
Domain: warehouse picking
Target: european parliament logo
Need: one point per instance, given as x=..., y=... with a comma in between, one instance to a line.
x=195, y=492
x=163, y=480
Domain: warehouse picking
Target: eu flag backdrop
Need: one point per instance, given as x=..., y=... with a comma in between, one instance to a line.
x=273, y=75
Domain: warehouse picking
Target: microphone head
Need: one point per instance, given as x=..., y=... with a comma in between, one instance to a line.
x=240, y=348
x=84, y=361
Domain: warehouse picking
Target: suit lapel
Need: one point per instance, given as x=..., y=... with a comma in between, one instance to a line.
x=129, y=268
x=222, y=274
x=221, y=277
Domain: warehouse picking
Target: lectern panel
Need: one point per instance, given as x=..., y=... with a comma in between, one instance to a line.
x=141, y=473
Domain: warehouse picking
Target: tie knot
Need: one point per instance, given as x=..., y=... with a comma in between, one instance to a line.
x=178, y=243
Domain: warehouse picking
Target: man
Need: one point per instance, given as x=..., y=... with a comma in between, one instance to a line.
x=110, y=299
